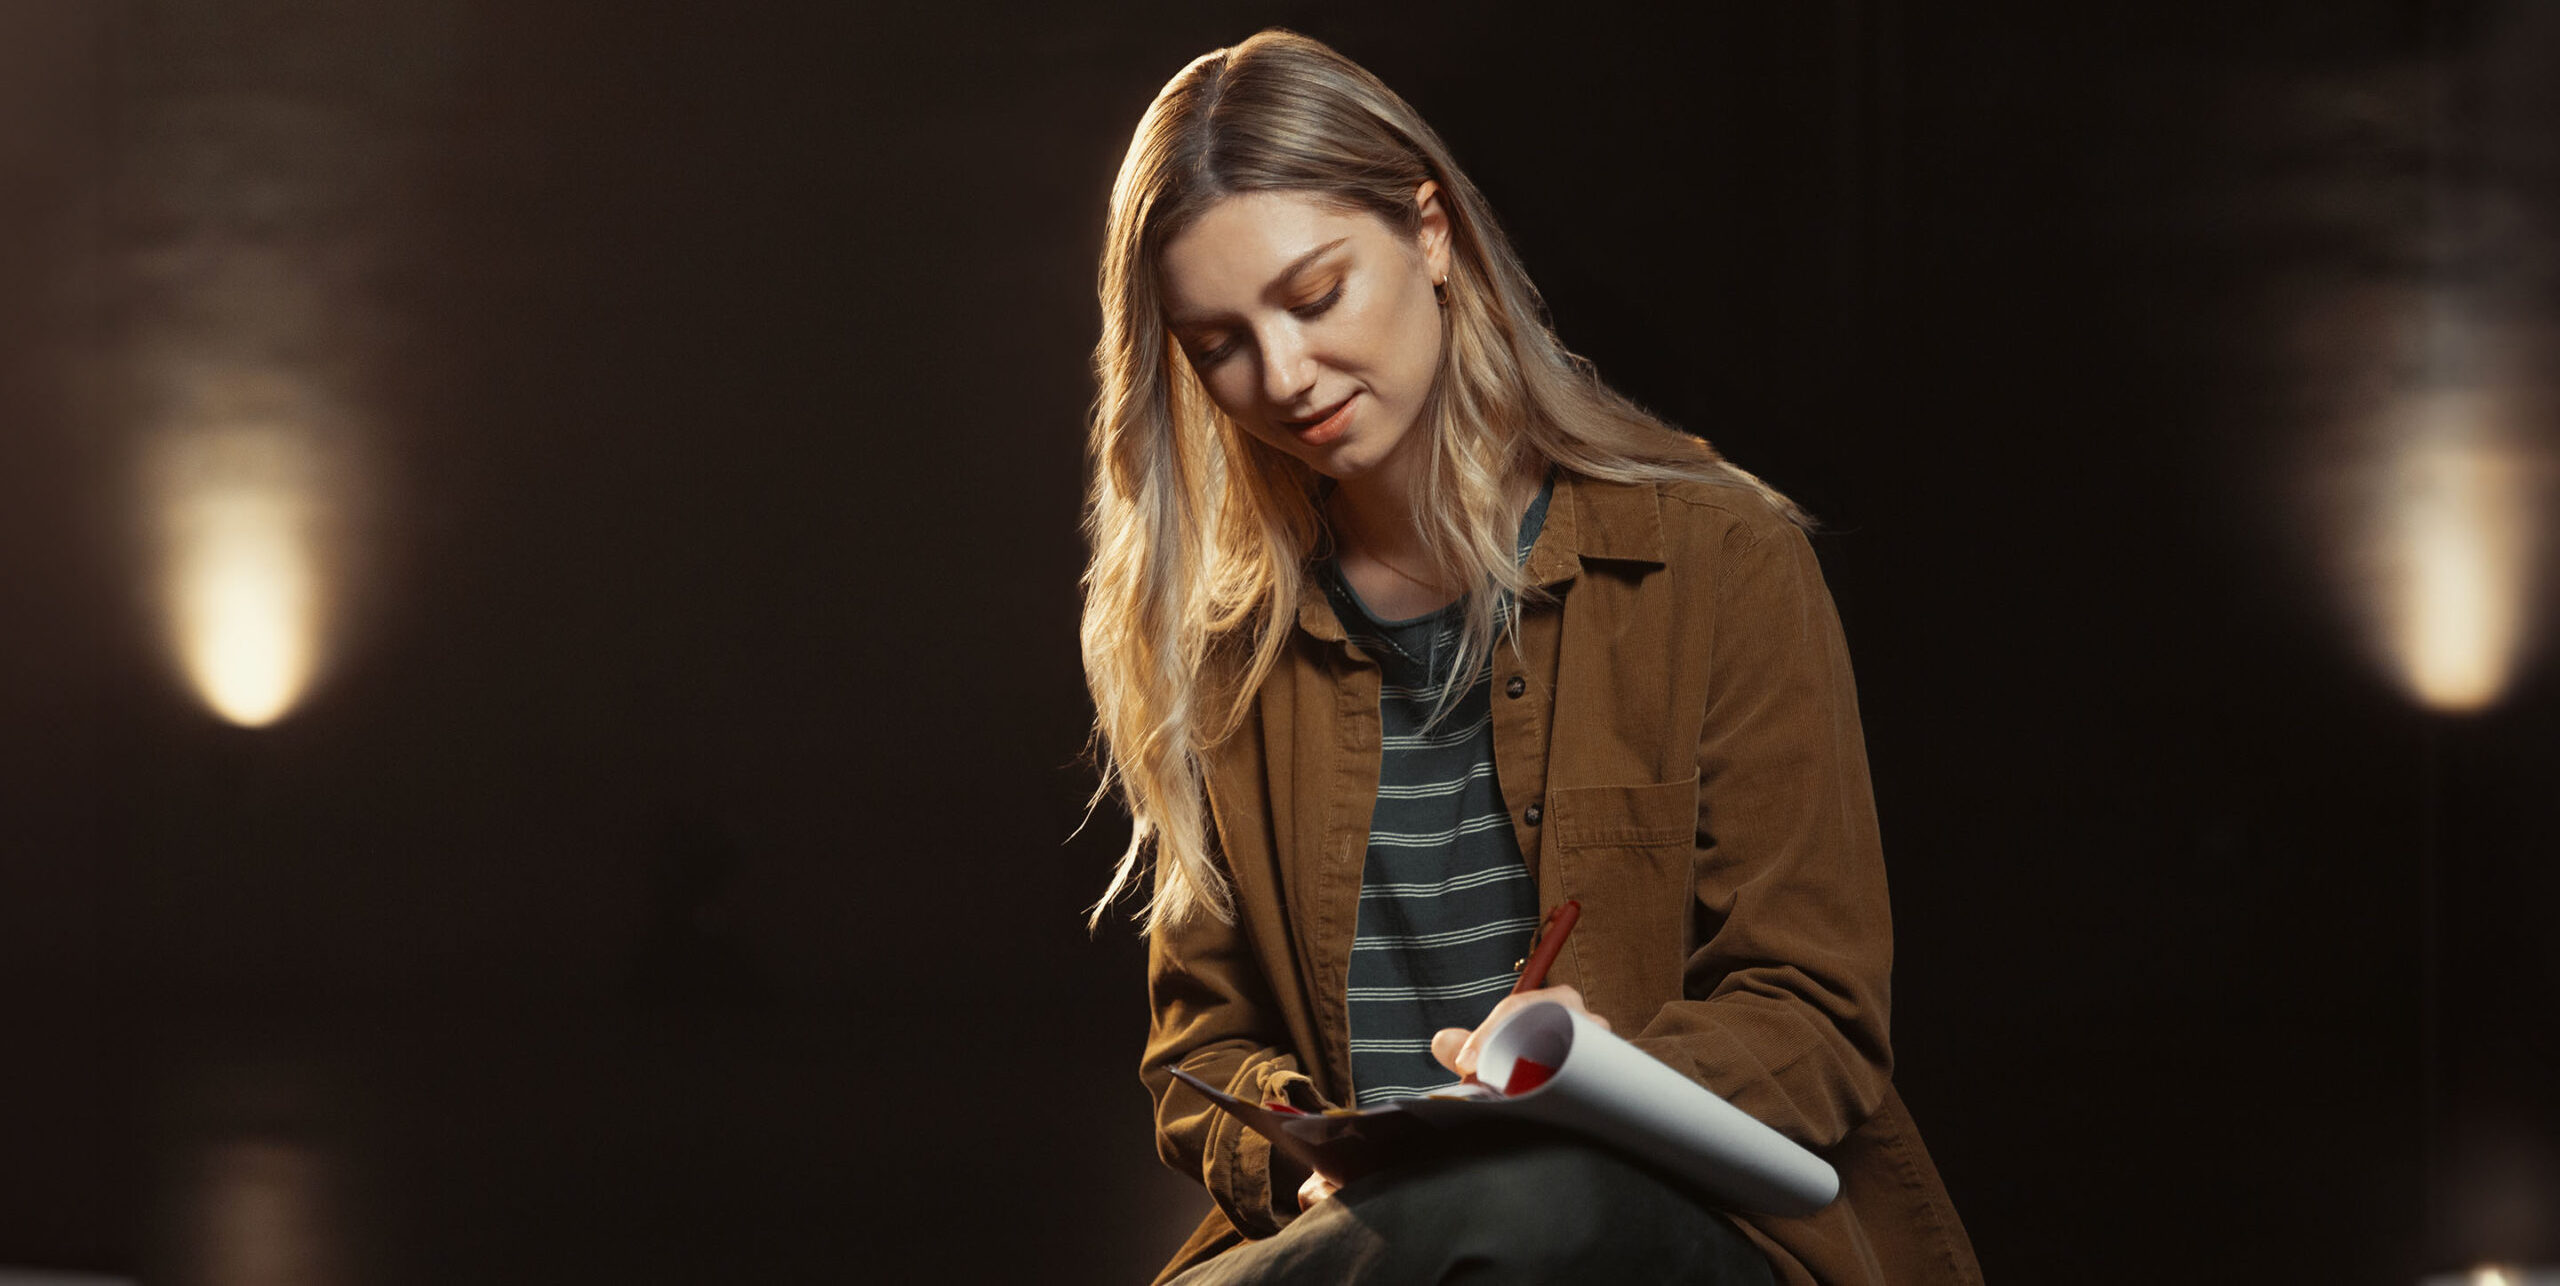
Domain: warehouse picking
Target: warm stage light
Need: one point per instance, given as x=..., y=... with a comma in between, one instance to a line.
x=2494, y=1275
x=2454, y=535
x=2462, y=563
x=264, y=1212
x=243, y=567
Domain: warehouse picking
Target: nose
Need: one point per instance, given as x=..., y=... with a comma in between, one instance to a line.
x=1287, y=371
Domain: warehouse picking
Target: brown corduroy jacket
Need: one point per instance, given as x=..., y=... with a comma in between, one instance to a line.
x=1676, y=736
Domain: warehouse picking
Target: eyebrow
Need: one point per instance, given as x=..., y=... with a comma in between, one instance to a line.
x=1287, y=275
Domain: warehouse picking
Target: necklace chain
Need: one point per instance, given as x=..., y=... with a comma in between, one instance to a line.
x=1381, y=560
x=1433, y=586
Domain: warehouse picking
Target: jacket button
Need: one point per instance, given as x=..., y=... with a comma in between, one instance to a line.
x=1533, y=815
x=1515, y=687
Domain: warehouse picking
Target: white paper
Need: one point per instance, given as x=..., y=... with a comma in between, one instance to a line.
x=1607, y=1089
x=1602, y=1088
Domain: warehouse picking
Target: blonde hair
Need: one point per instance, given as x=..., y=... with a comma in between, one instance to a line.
x=1202, y=537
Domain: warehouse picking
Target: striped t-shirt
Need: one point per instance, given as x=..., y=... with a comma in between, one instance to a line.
x=1447, y=907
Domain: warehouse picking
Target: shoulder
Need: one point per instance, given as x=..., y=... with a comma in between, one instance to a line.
x=1733, y=515
x=1686, y=521
x=1742, y=554
x=1733, y=547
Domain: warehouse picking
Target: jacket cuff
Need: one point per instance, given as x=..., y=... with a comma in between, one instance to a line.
x=1240, y=1162
x=1256, y=1187
x=1291, y=1086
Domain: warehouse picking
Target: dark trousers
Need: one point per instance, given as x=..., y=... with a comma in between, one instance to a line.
x=1551, y=1210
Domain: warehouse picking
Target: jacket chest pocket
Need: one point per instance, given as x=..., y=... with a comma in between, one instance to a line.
x=1627, y=853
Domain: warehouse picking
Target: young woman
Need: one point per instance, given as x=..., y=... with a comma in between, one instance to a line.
x=1401, y=628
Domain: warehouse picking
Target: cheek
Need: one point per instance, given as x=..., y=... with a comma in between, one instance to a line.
x=1391, y=338
x=1240, y=398
x=1227, y=389
x=1416, y=343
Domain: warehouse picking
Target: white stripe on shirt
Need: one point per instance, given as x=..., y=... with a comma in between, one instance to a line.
x=1451, y=938
x=1446, y=991
x=1470, y=880
x=1433, y=839
x=1437, y=789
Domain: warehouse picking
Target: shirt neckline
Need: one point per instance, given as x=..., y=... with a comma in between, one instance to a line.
x=1532, y=520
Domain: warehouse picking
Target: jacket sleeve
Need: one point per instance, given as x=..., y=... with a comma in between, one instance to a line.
x=1787, y=989
x=1212, y=1016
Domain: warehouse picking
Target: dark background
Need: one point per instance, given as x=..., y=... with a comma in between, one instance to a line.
x=670, y=877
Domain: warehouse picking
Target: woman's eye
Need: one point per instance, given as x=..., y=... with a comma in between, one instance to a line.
x=1318, y=308
x=1213, y=356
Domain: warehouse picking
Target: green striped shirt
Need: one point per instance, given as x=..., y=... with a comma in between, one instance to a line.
x=1446, y=903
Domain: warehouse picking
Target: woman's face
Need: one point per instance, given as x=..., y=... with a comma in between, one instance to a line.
x=1313, y=327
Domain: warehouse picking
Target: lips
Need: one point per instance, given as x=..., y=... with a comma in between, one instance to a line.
x=1324, y=426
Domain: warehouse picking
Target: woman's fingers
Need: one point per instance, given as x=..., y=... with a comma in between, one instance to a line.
x=1473, y=1048
x=1565, y=996
x=1469, y=1052
x=1315, y=1189
x=1458, y=1049
x=1445, y=1044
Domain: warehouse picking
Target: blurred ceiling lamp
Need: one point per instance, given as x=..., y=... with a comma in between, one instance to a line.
x=2496, y=1275
x=262, y=1214
x=242, y=577
x=2456, y=532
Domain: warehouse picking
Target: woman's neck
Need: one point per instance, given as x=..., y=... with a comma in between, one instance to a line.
x=1377, y=521
x=1379, y=545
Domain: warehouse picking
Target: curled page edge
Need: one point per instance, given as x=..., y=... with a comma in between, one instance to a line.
x=1602, y=1088
x=1610, y=1090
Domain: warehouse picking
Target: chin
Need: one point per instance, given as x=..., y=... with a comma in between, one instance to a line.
x=1352, y=459
x=1343, y=465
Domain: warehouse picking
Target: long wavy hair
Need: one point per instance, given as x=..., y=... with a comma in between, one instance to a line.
x=1203, y=537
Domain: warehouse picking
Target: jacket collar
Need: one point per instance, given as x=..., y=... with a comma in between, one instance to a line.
x=1587, y=518
x=1592, y=518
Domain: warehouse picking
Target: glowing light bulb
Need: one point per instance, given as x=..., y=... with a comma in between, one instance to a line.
x=2445, y=565
x=243, y=567
x=245, y=592
x=2461, y=562
x=263, y=1213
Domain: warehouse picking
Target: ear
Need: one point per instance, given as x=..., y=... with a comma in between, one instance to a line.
x=1432, y=229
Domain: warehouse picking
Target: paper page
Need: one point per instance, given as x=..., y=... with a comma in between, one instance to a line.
x=1610, y=1090
x=1600, y=1087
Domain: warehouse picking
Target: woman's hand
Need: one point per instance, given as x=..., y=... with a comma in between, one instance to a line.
x=1457, y=1048
x=1315, y=1189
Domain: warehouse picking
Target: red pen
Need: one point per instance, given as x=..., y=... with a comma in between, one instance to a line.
x=1527, y=1075
x=1551, y=936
